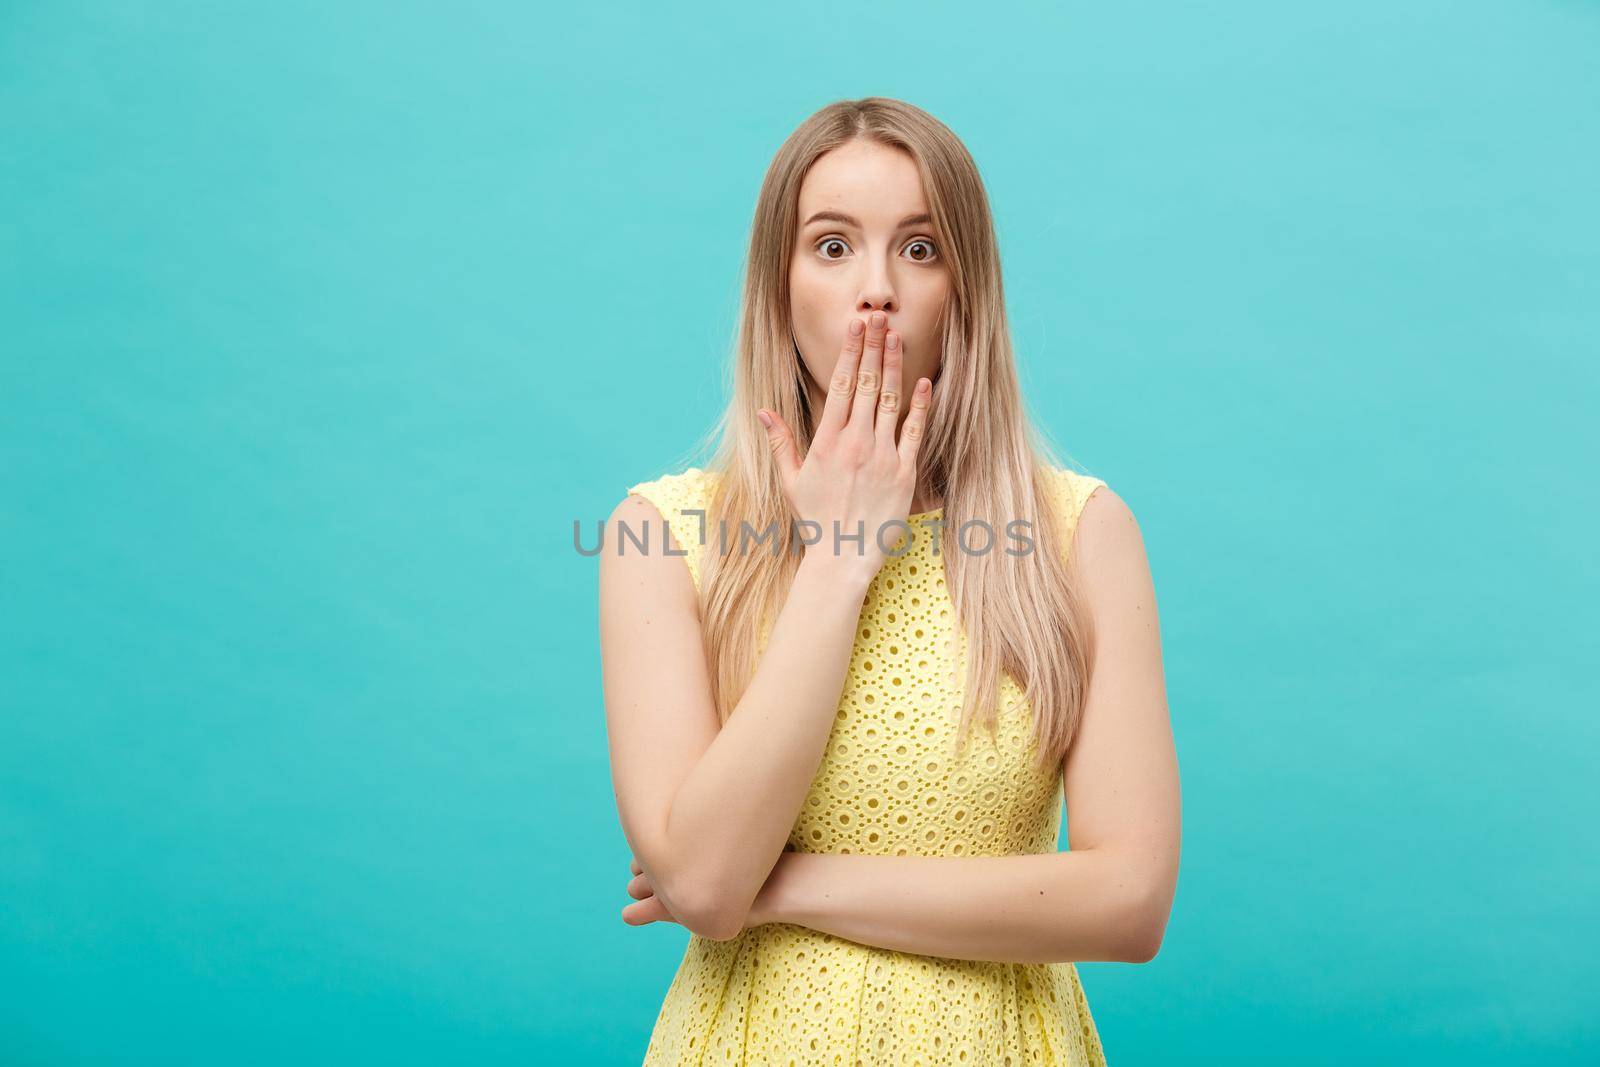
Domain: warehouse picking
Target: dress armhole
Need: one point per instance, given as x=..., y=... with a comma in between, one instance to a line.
x=680, y=498
x=1073, y=491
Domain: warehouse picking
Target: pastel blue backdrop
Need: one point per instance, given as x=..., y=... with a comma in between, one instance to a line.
x=322, y=323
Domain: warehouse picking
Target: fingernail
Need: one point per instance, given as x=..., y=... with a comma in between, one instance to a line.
x=766, y=420
x=894, y=340
x=855, y=327
x=878, y=318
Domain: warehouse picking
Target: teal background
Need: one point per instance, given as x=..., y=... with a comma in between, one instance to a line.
x=322, y=323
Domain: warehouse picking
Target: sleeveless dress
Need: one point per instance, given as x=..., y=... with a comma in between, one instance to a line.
x=888, y=785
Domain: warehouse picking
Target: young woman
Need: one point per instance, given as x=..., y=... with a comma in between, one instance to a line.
x=868, y=877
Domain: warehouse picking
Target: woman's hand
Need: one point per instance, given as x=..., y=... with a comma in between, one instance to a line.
x=647, y=907
x=856, y=474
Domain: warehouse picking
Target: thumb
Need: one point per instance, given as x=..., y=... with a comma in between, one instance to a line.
x=782, y=444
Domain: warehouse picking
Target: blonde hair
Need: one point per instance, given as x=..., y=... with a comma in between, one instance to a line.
x=982, y=454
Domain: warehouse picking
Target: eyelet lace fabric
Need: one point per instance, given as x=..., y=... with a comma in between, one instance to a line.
x=890, y=783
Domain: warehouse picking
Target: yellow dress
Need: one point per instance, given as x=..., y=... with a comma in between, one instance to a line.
x=887, y=785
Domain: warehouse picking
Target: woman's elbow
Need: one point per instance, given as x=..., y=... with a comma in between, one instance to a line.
x=721, y=928
x=1143, y=949
x=728, y=918
x=1146, y=927
x=710, y=914
x=715, y=926
x=695, y=897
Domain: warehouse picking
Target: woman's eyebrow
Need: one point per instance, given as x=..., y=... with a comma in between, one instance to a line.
x=835, y=216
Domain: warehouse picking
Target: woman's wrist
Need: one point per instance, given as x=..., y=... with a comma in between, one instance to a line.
x=772, y=900
x=849, y=577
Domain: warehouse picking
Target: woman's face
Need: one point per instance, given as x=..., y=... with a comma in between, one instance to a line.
x=872, y=249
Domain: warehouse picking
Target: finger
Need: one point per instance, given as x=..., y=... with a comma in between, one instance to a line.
x=889, y=400
x=842, y=386
x=641, y=912
x=869, y=378
x=633, y=865
x=916, y=424
x=640, y=889
x=781, y=442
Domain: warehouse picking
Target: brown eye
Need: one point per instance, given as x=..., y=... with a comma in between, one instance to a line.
x=828, y=242
x=926, y=257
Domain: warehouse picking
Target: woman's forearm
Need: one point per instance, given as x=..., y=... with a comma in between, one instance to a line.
x=732, y=815
x=1044, y=908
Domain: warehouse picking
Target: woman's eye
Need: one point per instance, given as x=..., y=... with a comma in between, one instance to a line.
x=929, y=251
x=827, y=243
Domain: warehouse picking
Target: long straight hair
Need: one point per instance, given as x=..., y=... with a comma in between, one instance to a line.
x=1021, y=614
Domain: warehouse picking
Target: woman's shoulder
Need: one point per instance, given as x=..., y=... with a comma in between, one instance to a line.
x=683, y=498
x=688, y=488
x=1071, y=489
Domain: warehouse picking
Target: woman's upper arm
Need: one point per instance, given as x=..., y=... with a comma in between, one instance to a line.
x=1121, y=775
x=659, y=713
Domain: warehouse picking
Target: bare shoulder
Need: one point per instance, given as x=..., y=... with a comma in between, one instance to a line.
x=640, y=557
x=1107, y=527
x=633, y=511
x=1109, y=548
